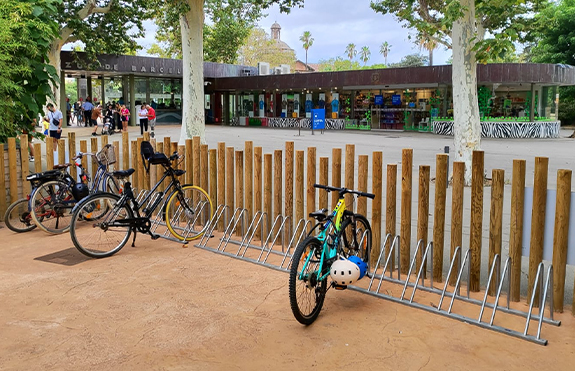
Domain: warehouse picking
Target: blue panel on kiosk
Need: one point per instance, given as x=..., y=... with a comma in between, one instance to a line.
x=378, y=100
x=318, y=119
x=396, y=100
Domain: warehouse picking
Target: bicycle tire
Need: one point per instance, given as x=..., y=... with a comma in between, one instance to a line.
x=51, y=205
x=351, y=235
x=315, y=290
x=84, y=231
x=185, y=229
x=21, y=221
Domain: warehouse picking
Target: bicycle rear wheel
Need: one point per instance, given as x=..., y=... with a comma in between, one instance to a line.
x=306, y=293
x=188, y=213
x=356, y=236
x=96, y=227
x=52, y=204
x=18, y=217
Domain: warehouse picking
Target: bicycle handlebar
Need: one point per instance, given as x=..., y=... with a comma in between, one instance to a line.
x=343, y=191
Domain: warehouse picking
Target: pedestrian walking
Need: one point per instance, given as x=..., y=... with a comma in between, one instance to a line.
x=125, y=117
x=87, y=106
x=143, y=115
x=55, y=117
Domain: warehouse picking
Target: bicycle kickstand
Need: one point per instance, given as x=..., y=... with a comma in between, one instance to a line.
x=134, y=240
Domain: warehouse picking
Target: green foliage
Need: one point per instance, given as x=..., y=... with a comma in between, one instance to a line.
x=411, y=60
x=338, y=64
x=109, y=27
x=260, y=47
x=27, y=28
x=350, y=51
x=364, y=54
x=384, y=50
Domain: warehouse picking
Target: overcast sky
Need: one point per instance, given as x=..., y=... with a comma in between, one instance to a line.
x=333, y=25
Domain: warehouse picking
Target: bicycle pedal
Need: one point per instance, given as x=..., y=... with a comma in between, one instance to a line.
x=340, y=287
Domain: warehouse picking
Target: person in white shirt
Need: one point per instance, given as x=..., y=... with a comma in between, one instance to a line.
x=55, y=117
x=143, y=115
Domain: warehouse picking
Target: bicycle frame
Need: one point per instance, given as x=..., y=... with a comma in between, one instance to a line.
x=328, y=252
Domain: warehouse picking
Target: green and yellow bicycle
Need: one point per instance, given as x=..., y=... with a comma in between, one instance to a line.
x=340, y=251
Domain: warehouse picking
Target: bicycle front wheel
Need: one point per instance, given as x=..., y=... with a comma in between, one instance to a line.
x=52, y=205
x=188, y=213
x=97, y=229
x=18, y=217
x=356, y=236
x=306, y=293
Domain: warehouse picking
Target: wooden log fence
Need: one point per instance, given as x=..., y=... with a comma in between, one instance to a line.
x=281, y=182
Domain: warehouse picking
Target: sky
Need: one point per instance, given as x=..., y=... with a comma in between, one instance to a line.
x=333, y=25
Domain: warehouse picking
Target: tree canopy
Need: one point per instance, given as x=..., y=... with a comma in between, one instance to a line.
x=411, y=60
x=26, y=29
x=260, y=47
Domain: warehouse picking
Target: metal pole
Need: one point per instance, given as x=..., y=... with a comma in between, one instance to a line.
x=446, y=150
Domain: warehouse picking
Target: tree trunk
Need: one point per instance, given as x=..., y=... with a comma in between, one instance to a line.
x=431, y=57
x=54, y=61
x=193, y=118
x=467, y=127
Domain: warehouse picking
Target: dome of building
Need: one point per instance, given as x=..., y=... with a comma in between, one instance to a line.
x=276, y=28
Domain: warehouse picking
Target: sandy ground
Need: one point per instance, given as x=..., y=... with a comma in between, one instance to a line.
x=159, y=306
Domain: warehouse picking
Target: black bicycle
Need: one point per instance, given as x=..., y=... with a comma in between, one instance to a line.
x=102, y=223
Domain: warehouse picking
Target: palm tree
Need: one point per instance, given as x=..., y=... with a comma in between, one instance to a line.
x=364, y=54
x=350, y=51
x=307, y=41
x=427, y=44
x=384, y=50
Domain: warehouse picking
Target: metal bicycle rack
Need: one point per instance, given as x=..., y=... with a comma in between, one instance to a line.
x=260, y=252
x=495, y=276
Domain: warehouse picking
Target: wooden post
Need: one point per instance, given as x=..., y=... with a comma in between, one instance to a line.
x=229, y=179
x=134, y=152
x=83, y=149
x=335, y=174
x=105, y=139
x=299, y=182
x=38, y=152
x=94, y=150
x=190, y=163
x=196, y=148
x=476, y=223
x=50, y=154
x=516, y=230
x=349, y=174
x=377, y=189
x=362, y=173
x=167, y=147
x=12, y=169
x=240, y=186
x=323, y=174
x=62, y=152
x=439, y=216
x=456, y=215
x=423, y=214
x=311, y=176
x=213, y=154
x=249, y=178
x=289, y=167
x=268, y=190
x=391, y=211
x=160, y=169
x=117, y=154
x=560, y=235
x=125, y=150
x=25, y=164
x=72, y=153
x=204, y=167
x=496, y=222
x=3, y=203
x=258, y=185
x=140, y=169
x=174, y=148
x=221, y=181
x=537, y=222
x=405, y=231
x=278, y=183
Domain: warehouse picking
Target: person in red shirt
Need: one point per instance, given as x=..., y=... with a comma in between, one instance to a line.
x=151, y=116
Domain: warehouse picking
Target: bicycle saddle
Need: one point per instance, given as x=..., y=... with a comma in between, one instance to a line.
x=320, y=215
x=62, y=166
x=123, y=173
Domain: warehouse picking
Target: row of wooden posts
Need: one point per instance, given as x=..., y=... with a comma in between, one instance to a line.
x=278, y=183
